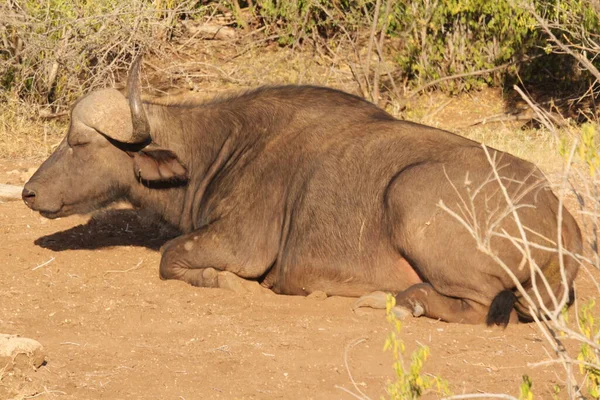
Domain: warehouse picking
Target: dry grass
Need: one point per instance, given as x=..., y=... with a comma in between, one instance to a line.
x=23, y=134
x=535, y=145
x=487, y=117
x=204, y=72
x=178, y=59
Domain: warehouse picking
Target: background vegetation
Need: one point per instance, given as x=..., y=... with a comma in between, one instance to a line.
x=51, y=51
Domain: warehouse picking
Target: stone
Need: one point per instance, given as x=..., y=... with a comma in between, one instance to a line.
x=10, y=192
x=19, y=352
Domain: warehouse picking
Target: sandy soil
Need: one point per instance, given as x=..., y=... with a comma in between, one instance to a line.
x=88, y=290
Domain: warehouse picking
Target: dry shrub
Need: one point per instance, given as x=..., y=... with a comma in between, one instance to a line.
x=54, y=50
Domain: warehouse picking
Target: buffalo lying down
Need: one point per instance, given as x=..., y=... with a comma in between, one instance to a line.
x=309, y=189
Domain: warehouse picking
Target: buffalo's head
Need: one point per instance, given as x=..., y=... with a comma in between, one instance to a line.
x=108, y=148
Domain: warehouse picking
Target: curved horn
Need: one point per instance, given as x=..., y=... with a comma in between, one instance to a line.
x=141, y=127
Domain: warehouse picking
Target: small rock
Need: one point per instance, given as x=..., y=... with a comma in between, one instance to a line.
x=19, y=352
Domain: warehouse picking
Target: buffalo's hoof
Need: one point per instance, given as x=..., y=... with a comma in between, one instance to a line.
x=210, y=278
x=375, y=300
x=317, y=295
x=418, y=310
x=230, y=281
x=401, y=312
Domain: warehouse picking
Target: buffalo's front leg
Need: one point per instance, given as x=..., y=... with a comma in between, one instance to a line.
x=205, y=258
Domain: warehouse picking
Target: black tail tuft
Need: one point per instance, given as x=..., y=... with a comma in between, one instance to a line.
x=571, y=297
x=502, y=306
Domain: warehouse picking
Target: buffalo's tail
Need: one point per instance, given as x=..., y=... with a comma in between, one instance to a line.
x=501, y=308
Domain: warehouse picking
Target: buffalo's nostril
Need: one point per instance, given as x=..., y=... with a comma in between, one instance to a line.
x=28, y=196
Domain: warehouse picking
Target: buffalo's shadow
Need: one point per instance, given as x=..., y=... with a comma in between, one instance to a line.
x=110, y=228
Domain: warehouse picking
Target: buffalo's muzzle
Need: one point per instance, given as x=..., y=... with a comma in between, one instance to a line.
x=28, y=196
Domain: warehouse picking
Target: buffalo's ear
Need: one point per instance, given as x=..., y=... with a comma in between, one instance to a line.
x=154, y=163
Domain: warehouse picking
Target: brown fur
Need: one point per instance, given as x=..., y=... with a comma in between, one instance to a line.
x=311, y=189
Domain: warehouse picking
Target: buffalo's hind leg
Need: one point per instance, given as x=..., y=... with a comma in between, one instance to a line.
x=423, y=300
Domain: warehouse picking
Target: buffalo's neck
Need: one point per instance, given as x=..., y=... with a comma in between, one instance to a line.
x=201, y=138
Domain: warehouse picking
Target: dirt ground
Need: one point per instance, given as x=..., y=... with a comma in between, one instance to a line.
x=88, y=290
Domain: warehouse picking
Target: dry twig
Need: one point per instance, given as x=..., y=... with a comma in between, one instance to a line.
x=43, y=264
x=360, y=394
x=542, y=115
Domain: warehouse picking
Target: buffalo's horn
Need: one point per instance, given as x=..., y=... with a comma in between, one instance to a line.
x=141, y=127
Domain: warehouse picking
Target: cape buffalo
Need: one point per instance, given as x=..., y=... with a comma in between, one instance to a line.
x=306, y=189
